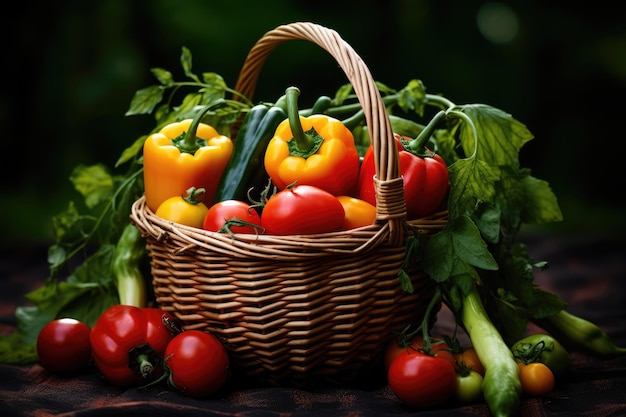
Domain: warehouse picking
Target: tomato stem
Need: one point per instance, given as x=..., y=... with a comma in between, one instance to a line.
x=426, y=320
x=194, y=195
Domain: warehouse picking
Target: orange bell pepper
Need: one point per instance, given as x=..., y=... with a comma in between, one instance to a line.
x=182, y=155
x=324, y=156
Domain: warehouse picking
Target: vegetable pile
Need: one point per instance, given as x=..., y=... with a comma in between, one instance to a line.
x=136, y=346
x=234, y=166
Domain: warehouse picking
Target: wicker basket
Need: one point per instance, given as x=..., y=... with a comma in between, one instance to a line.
x=296, y=309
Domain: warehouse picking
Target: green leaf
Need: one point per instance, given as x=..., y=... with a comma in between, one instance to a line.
x=469, y=245
x=163, y=76
x=30, y=321
x=383, y=88
x=133, y=150
x=500, y=136
x=145, y=100
x=215, y=80
x=487, y=218
x=56, y=255
x=342, y=94
x=185, y=61
x=66, y=225
x=439, y=256
x=185, y=110
x=460, y=240
x=545, y=304
x=93, y=182
x=405, y=127
x=215, y=90
x=541, y=203
x=412, y=98
x=405, y=282
x=472, y=182
x=506, y=315
x=13, y=349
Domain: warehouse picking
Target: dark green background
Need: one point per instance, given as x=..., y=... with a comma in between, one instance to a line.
x=70, y=69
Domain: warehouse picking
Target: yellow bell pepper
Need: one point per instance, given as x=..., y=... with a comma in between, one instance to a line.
x=317, y=150
x=182, y=155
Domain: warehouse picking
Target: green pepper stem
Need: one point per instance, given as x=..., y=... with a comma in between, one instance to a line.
x=145, y=367
x=189, y=141
x=417, y=145
x=302, y=140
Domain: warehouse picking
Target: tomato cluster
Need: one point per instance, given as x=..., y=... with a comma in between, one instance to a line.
x=300, y=209
x=542, y=360
x=132, y=346
x=425, y=373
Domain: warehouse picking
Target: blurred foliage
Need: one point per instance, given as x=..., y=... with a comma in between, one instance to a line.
x=71, y=68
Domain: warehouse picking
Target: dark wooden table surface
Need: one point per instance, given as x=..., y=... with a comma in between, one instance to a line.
x=587, y=272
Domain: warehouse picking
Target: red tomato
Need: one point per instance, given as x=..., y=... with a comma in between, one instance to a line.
x=234, y=215
x=415, y=343
x=197, y=363
x=63, y=346
x=301, y=210
x=420, y=380
x=358, y=212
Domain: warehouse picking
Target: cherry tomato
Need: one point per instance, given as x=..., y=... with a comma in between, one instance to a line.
x=358, y=212
x=469, y=386
x=536, y=378
x=545, y=349
x=300, y=210
x=234, y=216
x=415, y=343
x=197, y=362
x=419, y=380
x=469, y=358
x=63, y=346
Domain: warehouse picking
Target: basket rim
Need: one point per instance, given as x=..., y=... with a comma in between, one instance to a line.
x=351, y=241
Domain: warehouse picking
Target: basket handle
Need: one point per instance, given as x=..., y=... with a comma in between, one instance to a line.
x=389, y=186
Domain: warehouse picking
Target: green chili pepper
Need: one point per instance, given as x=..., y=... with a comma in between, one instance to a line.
x=578, y=334
x=245, y=167
x=129, y=251
x=321, y=105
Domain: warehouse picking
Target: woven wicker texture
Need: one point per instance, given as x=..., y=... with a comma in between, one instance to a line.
x=295, y=309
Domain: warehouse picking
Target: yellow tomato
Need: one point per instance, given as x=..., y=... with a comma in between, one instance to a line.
x=188, y=210
x=358, y=212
